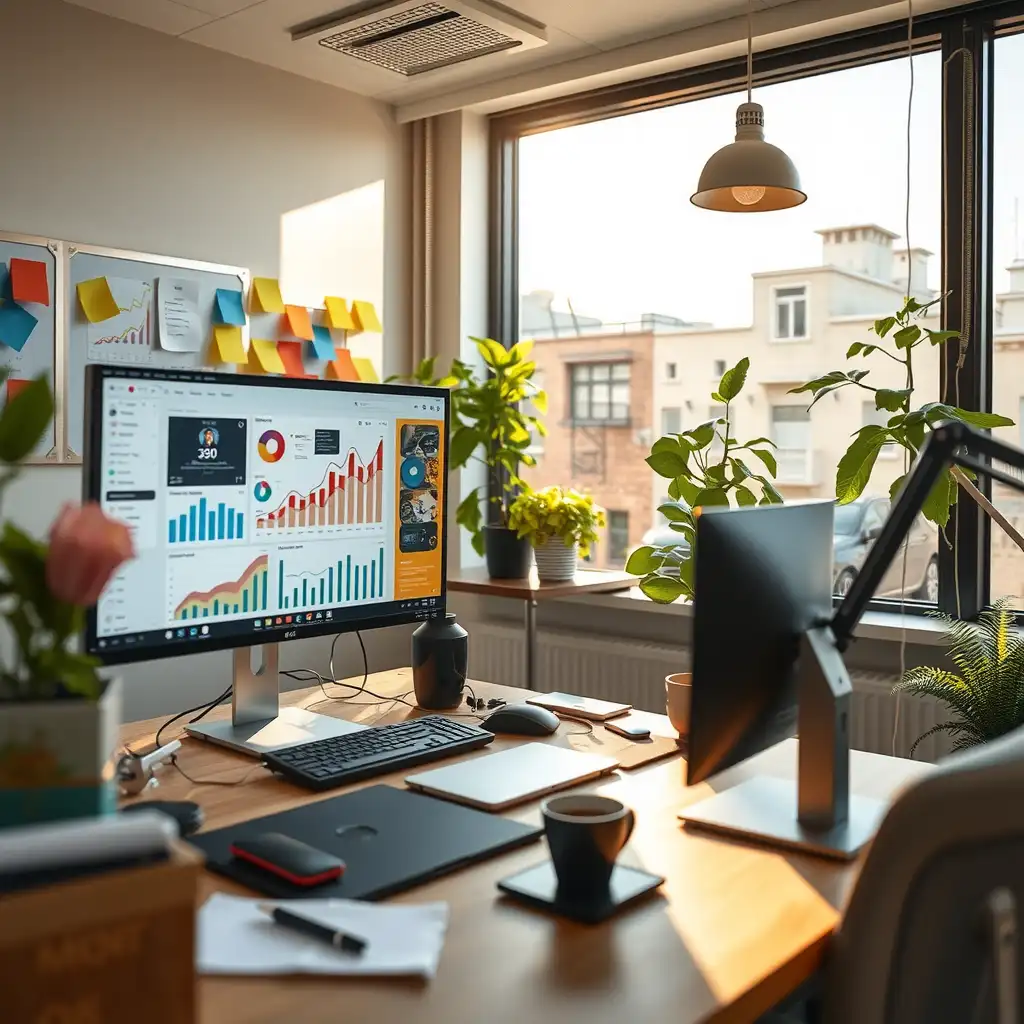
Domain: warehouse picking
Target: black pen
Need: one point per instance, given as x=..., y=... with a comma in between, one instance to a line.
x=338, y=939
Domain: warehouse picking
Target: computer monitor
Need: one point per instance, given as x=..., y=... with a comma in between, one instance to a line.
x=263, y=509
x=761, y=634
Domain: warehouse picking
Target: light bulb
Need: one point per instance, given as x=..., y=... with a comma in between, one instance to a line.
x=748, y=195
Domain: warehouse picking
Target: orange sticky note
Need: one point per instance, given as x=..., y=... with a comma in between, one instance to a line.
x=299, y=323
x=366, y=370
x=15, y=386
x=342, y=367
x=338, y=316
x=291, y=355
x=227, y=348
x=264, y=357
x=29, y=282
x=365, y=317
x=265, y=296
x=97, y=300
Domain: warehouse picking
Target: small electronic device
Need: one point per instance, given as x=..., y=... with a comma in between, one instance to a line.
x=291, y=859
x=188, y=816
x=326, y=764
x=135, y=772
x=522, y=720
x=580, y=707
x=631, y=728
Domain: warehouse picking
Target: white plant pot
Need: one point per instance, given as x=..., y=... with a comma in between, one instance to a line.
x=555, y=562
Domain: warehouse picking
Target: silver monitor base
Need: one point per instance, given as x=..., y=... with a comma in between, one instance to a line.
x=765, y=810
x=291, y=726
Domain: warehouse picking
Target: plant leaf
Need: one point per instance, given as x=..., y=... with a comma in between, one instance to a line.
x=664, y=589
x=463, y=443
x=745, y=498
x=884, y=326
x=711, y=496
x=936, y=506
x=642, y=561
x=768, y=459
x=24, y=420
x=906, y=337
x=733, y=380
x=855, y=466
x=892, y=401
x=675, y=511
x=668, y=464
x=894, y=487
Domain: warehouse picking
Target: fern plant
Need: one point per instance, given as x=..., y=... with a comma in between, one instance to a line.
x=987, y=697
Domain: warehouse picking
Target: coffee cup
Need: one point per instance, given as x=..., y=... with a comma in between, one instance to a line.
x=678, y=690
x=585, y=835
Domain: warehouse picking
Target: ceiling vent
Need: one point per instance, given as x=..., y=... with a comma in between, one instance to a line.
x=414, y=37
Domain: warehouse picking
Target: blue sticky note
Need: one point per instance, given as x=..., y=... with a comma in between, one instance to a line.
x=16, y=325
x=323, y=343
x=229, y=308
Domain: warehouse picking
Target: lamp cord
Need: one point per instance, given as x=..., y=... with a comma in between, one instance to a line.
x=750, y=50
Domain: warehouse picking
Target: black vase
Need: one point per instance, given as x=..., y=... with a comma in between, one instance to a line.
x=440, y=662
x=508, y=557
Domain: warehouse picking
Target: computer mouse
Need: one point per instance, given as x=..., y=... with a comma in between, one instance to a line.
x=521, y=720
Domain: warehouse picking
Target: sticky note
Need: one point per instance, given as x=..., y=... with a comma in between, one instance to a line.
x=323, y=343
x=264, y=357
x=97, y=300
x=15, y=386
x=365, y=317
x=291, y=355
x=266, y=296
x=229, y=307
x=28, y=281
x=338, y=315
x=342, y=367
x=227, y=346
x=16, y=325
x=299, y=323
x=367, y=372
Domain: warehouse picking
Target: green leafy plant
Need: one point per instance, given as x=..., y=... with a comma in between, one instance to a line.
x=987, y=697
x=898, y=337
x=702, y=474
x=41, y=665
x=490, y=426
x=557, y=512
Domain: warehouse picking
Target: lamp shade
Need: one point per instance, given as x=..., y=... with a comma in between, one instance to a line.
x=749, y=175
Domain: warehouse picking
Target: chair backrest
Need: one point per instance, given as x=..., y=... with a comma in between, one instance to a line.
x=915, y=943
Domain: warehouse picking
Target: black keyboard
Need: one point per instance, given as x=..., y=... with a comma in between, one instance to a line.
x=326, y=764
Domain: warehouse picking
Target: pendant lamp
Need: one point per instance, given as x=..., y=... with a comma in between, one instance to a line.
x=749, y=175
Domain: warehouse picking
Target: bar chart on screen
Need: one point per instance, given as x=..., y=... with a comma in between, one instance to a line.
x=232, y=584
x=356, y=572
x=203, y=517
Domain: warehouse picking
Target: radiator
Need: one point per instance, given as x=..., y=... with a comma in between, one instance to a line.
x=633, y=671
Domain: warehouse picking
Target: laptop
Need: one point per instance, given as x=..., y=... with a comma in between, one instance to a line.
x=509, y=777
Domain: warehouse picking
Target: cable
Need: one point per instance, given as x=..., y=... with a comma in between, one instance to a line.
x=205, y=709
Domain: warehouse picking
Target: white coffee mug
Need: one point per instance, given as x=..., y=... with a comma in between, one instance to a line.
x=678, y=688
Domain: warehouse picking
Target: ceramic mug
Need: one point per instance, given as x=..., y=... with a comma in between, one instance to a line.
x=678, y=689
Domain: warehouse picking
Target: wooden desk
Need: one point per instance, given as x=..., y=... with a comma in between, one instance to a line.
x=737, y=929
x=531, y=590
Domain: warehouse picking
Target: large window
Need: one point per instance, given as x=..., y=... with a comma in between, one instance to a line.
x=600, y=392
x=790, y=313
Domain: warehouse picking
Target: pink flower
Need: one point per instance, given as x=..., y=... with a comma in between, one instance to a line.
x=86, y=548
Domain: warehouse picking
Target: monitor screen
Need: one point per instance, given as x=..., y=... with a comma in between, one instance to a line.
x=263, y=509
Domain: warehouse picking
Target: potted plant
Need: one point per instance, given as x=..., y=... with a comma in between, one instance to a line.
x=704, y=466
x=561, y=524
x=58, y=718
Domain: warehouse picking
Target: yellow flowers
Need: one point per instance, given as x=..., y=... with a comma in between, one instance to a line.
x=557, y=512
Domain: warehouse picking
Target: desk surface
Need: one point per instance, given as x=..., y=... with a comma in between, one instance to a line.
x=736, y=929
x=586, y=581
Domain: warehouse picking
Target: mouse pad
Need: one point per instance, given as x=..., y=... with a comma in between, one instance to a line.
x=390, y=840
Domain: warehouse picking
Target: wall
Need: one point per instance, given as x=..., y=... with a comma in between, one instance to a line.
x=119, y=136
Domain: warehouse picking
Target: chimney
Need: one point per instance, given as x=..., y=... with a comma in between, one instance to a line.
x=862, y=248
x=919, y=262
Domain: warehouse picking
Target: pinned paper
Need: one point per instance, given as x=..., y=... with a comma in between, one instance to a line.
x=97, y=300
x=264, y=357
x=291, y=355
x=29, y=282
x=323, y=343
x=299, y=324
x=338, y=315
x=366, y=318
x=342, y=367
x=16, y=325
x=266, y=296
x=15, y=386
x=227, y=346
x=230, y=309
x=365, y=369
x=181, y=329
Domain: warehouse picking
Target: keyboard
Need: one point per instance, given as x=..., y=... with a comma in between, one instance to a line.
x=339, y=760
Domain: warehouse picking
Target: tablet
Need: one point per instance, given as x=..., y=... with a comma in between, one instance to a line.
x=579, y=707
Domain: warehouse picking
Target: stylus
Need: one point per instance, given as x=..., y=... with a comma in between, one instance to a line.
x=340, y=940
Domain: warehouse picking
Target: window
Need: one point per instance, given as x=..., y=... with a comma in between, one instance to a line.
x=600, y=392
x=671, y=421
x=791, y=427
x=720, y=368
x=618, y=537
x=791, y=313
x=671, y=371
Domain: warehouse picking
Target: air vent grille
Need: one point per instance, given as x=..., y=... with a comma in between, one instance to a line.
x=420, y=39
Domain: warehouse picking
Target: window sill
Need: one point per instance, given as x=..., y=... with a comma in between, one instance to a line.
x=790, y=341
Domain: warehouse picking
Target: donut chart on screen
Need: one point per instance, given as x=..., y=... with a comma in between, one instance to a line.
x=413, y=472
x=271, y=446
x=262, y=491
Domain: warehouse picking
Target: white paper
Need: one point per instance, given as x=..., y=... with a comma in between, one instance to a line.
x=234, y=937
x=181, y=329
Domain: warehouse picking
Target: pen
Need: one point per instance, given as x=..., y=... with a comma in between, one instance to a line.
x=340, y=940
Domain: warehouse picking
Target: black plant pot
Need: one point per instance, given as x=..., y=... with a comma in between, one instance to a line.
x=508, y=557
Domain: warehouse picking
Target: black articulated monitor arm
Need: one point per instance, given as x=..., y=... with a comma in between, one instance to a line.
x=950, y=444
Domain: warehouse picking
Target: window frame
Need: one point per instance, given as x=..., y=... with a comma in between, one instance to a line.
x=590, y=365
x=790, y=339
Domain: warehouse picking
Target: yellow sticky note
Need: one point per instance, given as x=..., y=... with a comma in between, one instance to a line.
x=338, y=316
x=227, y=346
x=264, y=357
x=366, y=318
x=265, y=296
x=297, y=318
x=97, y=300
x=365, y=369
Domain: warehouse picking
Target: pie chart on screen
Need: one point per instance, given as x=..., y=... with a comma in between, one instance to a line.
x=271, y=446
x=262, y=491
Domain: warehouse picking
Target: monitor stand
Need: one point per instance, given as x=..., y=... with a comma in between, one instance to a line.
x=258, y=724
x=816, y=813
